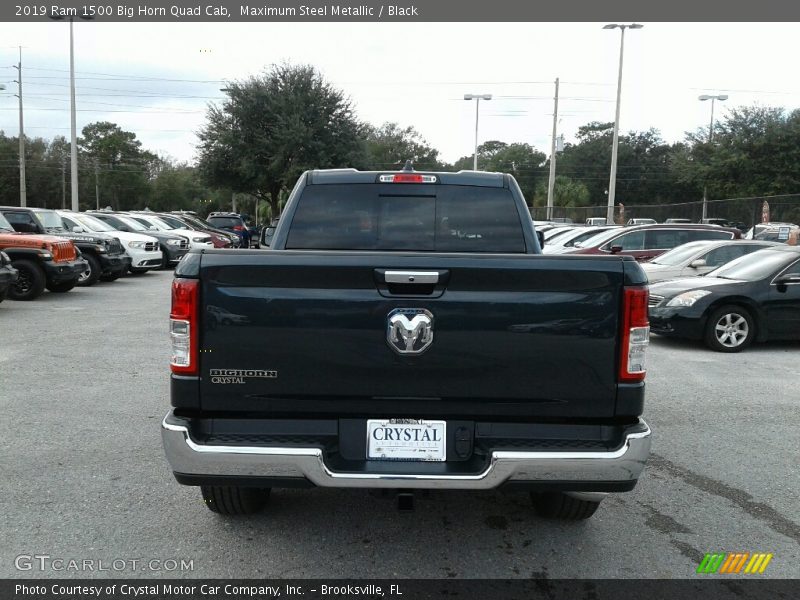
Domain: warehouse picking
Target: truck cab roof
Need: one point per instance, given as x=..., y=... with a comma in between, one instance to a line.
x=475, y=178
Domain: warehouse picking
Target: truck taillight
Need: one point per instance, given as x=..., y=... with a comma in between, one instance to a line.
x=238, y=228
x=635, y=334
x=183, y=325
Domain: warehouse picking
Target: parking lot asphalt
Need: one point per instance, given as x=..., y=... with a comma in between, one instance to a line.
x=84, y=383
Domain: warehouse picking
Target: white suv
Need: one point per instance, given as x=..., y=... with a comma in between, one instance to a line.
x=197, y=240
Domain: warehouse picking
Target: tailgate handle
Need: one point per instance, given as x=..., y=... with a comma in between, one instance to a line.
x=412, y=277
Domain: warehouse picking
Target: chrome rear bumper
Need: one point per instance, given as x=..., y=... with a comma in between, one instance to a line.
x=188, y=457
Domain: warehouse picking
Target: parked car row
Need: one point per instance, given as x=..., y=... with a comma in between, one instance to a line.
x=144, y=250
x=698, y=258
x=706, y=282
x=33, y=262
x=59, y=249
x=564, y=239
x=104, y=254
x=773, y=232
x=644, y=242
x=683, y=221
x=594, y=221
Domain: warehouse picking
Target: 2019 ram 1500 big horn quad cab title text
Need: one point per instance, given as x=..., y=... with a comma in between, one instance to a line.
x=404, y=331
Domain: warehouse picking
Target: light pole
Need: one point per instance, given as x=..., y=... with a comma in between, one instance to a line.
x=72, y=121
x=551, y=182
x=230, y=91
x=612, y=184
x=23, y=194
x=703, y=98
x=477, y=98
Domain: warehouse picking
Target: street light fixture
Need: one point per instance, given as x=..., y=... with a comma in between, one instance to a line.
x=477, y=98
x=73, y=127
x=612, y=184
x=703, y=98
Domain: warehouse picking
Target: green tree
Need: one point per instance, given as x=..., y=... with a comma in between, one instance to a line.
x=41, y=176
x=114, y=159
x=566, y=192
x=58, y=161
x=176, y=187
x=390, y=146
x=522, y=161
x=645, y=170
x=274, y=127
x=755, y=151
x=42, y=172
x=9, y=170
x=486, y=152
x=589, y=159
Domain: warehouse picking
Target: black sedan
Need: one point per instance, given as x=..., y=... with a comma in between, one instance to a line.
x=753, y=298
x=8, y=275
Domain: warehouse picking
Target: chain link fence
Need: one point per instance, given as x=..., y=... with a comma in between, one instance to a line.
x=742, y=212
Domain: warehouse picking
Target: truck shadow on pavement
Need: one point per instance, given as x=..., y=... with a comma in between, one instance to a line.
x=449, y=534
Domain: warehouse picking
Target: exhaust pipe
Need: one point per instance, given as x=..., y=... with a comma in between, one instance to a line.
x=405, y=502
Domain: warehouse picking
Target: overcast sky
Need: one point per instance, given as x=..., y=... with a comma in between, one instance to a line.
x=156, y=78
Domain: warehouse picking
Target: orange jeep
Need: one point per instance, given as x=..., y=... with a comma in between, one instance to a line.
x=43, y=261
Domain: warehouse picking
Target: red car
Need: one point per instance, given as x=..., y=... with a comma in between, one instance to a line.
x=645, y=242
x=219, y=240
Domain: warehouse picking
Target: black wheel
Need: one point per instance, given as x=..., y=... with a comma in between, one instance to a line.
x=230, y=500
x=64, y=286
x=111, y=276
x=92, y=272
x=30, y=283
x=730, y=329
x=557, y=505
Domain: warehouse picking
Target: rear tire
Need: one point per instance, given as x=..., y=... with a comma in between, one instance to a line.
x=232, y=501
x=92, y=273
x=30, y=283
x=730, y=329
x=557, y=505
x=62, y=287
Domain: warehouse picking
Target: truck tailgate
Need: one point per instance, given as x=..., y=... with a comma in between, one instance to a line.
x=305, y=332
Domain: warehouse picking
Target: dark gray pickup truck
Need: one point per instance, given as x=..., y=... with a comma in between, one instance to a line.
x=403, y=331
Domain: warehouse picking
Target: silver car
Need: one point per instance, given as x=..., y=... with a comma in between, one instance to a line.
x=568, y=241
x=698, y=258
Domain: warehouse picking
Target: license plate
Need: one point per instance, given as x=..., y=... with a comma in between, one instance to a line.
x=406, y=439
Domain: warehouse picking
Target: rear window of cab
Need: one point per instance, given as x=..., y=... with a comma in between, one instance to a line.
x=435, y=218
x=225, y=221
